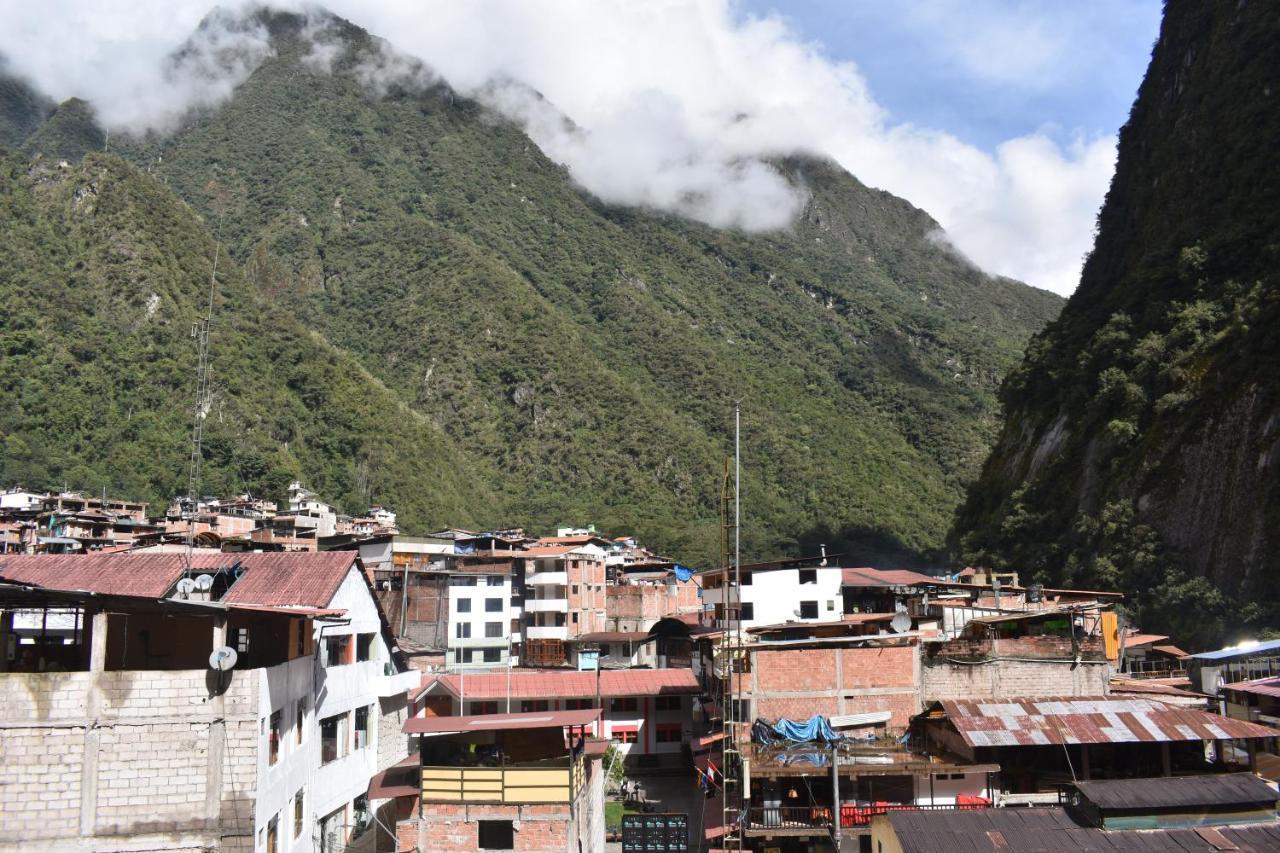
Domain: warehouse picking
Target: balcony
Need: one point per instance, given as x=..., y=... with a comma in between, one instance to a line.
x=546, y=632
x=547, y=605
x=547, y=579
x=552, y=781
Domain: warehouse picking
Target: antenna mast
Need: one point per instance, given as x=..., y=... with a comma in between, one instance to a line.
x=200, y=331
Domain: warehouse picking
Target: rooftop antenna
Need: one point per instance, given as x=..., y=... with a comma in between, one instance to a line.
x=200, y=331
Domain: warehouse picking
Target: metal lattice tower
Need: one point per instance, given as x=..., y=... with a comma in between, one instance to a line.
x=200, y=331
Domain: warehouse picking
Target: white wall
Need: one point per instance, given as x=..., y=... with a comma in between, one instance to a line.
x=281, y=688
x=776, y=595
x=476, y=618
x=945, y=790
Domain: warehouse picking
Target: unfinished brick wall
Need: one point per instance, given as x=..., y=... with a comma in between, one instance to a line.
x=636, y=608
x=452, y=828
x=145, y=755
x=800, y=682
x=427, y=616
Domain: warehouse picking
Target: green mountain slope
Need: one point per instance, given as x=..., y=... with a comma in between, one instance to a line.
x=587, y=357
x=1140, y=447
x=22, y=109
x=106, y=271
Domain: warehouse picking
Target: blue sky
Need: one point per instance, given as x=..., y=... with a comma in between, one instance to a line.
x=988, y=70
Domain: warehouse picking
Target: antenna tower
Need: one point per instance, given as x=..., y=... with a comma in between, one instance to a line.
x=200, y=331
x=732, y=662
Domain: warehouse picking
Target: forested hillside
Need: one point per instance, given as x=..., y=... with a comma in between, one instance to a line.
x=1140, y=446
x=555, y=359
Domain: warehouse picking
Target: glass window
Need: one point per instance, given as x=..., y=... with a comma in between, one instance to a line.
x=625, y=703
x=496, y=580
x=578, y=704
x=299, y=815
x=242, y=640
x=462, y=630
x=493, y=605
x=667, y=733
x=625, y=736
x=362, y=727
x=300, y=721
x=273, y=834
x=808, y=610
x=808, y=575
x=468, y=655
x=493, y=655
x=493, y=629
x=364, y=646
x=337, y=650
x=666, y=703
x=273, y=738
x=484, y=707
x=333, y=738
x=531, y=705
x=748, y=611
x=464, y=605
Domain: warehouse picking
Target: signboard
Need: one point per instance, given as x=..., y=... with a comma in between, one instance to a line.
x=588, y=660
x=655, y=833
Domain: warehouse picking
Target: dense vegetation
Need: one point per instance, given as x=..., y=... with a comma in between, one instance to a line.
x=554, y=359
x=1140, y=448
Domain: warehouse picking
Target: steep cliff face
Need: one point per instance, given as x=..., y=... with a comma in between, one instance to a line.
x=1140, y=444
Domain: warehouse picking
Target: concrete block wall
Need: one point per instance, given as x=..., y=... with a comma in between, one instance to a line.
x=1002, y=678
x=90, y=759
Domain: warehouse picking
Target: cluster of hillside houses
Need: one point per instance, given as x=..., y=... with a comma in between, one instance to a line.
x=231, y=677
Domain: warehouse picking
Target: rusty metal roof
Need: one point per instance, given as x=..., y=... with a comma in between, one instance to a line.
x=500, y=722
x=1049, y=830
x=150, y=575
x=1259, y=687
x=1180, y=792
x=884, y=577
x=1042, y=722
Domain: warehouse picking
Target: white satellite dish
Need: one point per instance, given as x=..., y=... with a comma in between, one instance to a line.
x=204, y=583
x=222, y=658
x=186, y=586
x=900, y=622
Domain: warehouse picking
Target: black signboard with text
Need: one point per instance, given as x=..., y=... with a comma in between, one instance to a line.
x=655, y=833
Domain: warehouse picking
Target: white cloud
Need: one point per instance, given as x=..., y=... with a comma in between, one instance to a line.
x=673, y=104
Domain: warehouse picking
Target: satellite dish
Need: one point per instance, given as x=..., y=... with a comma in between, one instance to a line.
x=204, y=583
x=186, y=586
x=900, y=622
x=222, y=658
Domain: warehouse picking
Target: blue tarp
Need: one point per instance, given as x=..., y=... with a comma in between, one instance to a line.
x=683, y=573
x=816, y=728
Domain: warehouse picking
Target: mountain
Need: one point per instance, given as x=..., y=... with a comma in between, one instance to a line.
x=22, y=109
x=574, y=360
x=1140, y=441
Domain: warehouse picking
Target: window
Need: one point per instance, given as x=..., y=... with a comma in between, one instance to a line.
x=808, y=576
x=495, y=580
x=332, y=836
x=808, y=610
x=273, y=738
x=626, y=703
x=241, y=641
x=302, y=637
x=574, y=589
x=493, y=629
x=493, y=655
x=667, y=733
x=666, y=703
x=746, y=578
x=462, y=630
x=299, y=815
x=578, y=704
x=624, y=735
x=273, y=834
x=464, y=605
x=575, y=618
x=748, y=611
x=337, y=650
x=740, y=710
x=496, y=835
x=457, y=655
x=333, y=738
x=468, y=655
x=831, y=604
x=484, y=707
x=364, y=647
x=605, y=650
x=362, y=727
x=493, y=605
x=300, y=721
x=531, y=705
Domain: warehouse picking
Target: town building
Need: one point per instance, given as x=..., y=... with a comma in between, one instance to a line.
x=531, y=782
x=1209, y=671
x=804, y=590
x=275, y=750
x=484, y=616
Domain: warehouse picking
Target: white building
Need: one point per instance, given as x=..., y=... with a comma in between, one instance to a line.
x=774, y=593
x=482, y=618
x=309, y=511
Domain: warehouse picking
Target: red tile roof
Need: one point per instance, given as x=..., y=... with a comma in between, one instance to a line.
x=273, y=580
x=1097, y=719
x=546, y=551
x=565, y=684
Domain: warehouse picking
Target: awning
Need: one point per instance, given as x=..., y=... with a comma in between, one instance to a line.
x=401, y=779
x=500, y=722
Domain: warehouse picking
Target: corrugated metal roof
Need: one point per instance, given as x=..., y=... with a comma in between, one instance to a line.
x=1179, y=792
x=273, y=579
x=1260, y=687
x=566, y=684
x=884, y=577
x=848, y=621
x=1240, y=651
x=1051, y=830
x=1174, y=651
x=500, y=722
x=1142, y=639
x=1041, y=722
